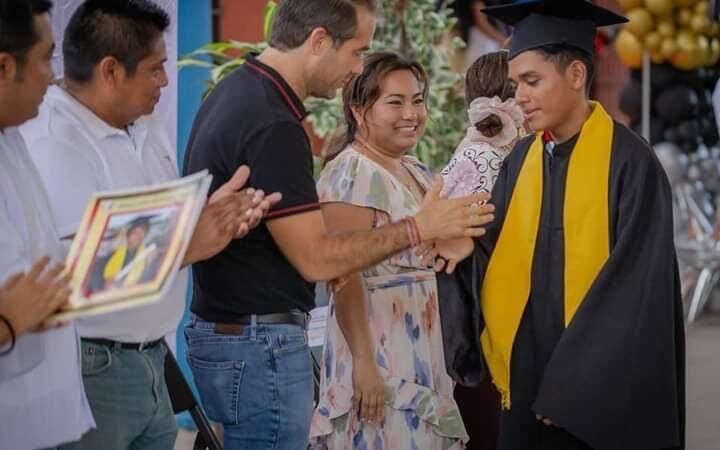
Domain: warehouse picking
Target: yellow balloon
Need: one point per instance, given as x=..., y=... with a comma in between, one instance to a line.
x=714, y=30
x=668, y=48
x=702, y=7
x=684, y=16
x=684, y=61
x=659, y=7
x=666, y=27
x=629, y=49
x=652, y=41
x=686, y=40
x=627, y=5
x=700, y=23
x=703, y=44
x=714, y=51
x=640, y=22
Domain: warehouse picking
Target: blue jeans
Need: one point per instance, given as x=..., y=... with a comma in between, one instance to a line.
x=129, y=399
x=258, y=384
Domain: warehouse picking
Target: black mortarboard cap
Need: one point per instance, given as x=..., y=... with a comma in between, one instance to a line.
x=141, y=221
x=545, y=22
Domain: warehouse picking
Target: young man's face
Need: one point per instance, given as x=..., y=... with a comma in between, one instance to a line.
x=35, y=74
x=135, y=237
x=544, y=93
x=137, y=95
x=337, y=66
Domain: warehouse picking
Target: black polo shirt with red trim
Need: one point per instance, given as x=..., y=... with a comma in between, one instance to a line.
x=253, y=117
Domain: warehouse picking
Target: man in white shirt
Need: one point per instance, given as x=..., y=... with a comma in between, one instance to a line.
x=42, y=403
x=94, y=133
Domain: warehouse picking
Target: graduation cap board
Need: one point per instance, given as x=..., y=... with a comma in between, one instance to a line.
x=546, y=22
x=142, y=221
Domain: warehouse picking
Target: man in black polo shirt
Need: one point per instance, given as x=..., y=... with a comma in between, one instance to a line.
x=247, y=345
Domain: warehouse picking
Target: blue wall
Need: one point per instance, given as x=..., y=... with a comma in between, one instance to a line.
x=194, y=30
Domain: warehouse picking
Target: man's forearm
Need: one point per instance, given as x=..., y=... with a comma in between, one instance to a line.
x=341, y=254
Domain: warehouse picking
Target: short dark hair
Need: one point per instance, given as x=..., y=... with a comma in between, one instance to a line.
x=17, y=29
x=140, y=222
x=562, y=55
x=364, y=90
x=295, y=19
x=123, y=29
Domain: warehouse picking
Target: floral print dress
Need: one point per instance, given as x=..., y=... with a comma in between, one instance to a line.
x=420, y=412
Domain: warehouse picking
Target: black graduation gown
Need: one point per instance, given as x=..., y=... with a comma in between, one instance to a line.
x=614, y=379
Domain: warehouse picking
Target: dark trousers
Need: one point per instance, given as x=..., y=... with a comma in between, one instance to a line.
x=480, y=410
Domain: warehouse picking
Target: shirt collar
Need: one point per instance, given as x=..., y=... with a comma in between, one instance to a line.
x=286, y=92
x=98, y=128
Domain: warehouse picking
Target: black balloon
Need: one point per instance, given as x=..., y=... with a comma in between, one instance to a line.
x=657, y=130
x=709, y=130
x=671, y=135
x=688, y=130
x=676, y=103
x=662, y=75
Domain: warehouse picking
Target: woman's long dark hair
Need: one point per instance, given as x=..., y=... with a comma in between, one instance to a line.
x=363, y=91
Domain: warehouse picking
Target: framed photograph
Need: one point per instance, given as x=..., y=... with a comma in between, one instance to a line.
x=130, y=245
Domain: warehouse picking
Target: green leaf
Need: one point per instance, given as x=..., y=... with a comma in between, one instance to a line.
x=268, y=16
x=219, y=72
x=188, y=62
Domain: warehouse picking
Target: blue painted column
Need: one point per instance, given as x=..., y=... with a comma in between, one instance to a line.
x=194, y=30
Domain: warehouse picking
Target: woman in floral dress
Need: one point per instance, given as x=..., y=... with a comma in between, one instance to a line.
x=384, y=383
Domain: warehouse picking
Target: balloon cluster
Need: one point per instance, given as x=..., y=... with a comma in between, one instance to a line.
x=681, y=32
x=684, y=134
x=681, y=105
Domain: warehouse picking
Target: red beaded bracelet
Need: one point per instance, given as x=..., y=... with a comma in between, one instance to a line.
x=412, y=231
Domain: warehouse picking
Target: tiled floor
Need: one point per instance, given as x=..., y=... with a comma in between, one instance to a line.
x=703, y=391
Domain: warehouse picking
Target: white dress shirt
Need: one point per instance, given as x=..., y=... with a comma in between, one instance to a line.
x=77, y=153
x=42, y=400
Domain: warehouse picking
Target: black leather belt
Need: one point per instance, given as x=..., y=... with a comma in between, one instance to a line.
x=292, y=318
x=124, y=345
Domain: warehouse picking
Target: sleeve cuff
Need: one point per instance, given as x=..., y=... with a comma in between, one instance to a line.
x=292, y=210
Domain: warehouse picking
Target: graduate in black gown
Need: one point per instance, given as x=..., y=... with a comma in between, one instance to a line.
x=579, y=286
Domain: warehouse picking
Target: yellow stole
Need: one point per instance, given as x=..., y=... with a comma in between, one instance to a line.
x=506, y=288
x=115, y=265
